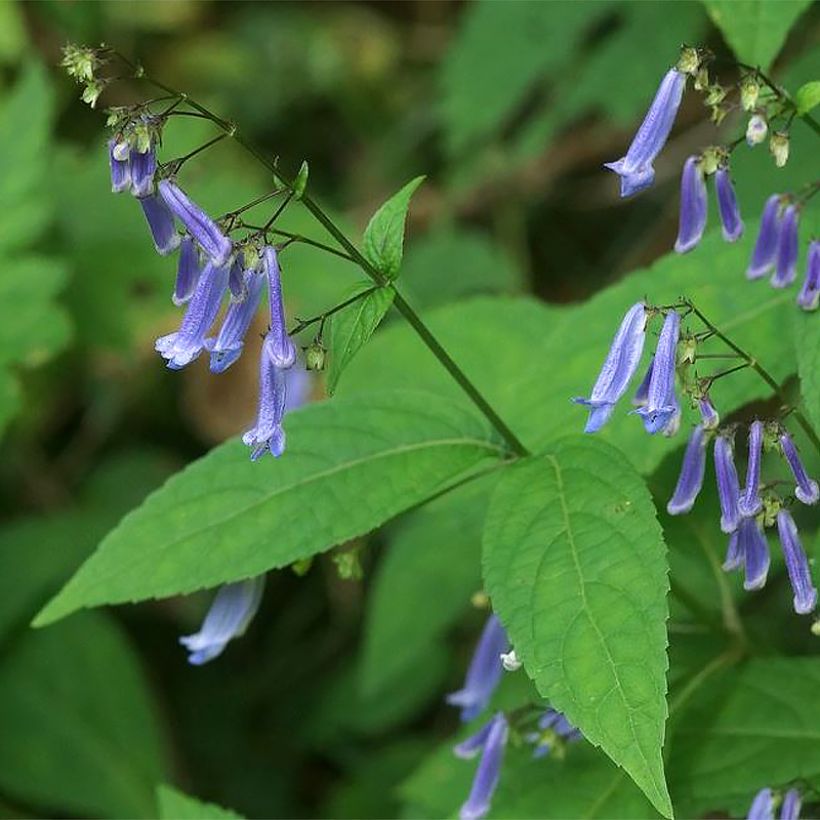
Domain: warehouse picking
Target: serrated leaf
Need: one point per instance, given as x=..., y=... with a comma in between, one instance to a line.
x=750, y=727
x=807, y=343
x=436, y=548
x=807, y=97
x=383, y=243
x=529, y=359
x=352, y=327
x=756, y=29
x=175, y=805
x=79, y=731
x=349, y=467
x=575, y=564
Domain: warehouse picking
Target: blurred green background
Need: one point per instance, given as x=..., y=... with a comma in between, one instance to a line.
x=509, y=109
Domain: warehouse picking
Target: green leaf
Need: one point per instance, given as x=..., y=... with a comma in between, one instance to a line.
x=807, y=97
x=383, y=243
x=575, y=565
x=529, y=359
x=750, y=727
x=175, y=805
x=350, y=466
x=436, y=548
x=79, y=731
x=756, y=29
x=807, y=342
x=353, y=326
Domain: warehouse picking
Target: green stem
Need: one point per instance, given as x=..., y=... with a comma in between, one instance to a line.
x=303, y=324
x=415, y=321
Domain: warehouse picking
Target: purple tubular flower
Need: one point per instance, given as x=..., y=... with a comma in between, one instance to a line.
x=299, y=384
x=160, y=223
x=807, y=489
x=693, y=205
x=618, y=369
x=202, y=228
x=488, y=771
x=143, y=167
x=762, y=807
x=470, y=747
x=642, y=393
x=120, y=170
x=236, y=280
x=692, y=470
x=809, y=296
x=188, y=271
x=765, y=248
x=267, y=435
x=787, y=250
x=750, y=503
x=673, y=425
x=232, y=610
x=734, y=555
x=661, y=405
x=484, y=672
x=226, y=348
x=727, y=484
x=709, y=417
x=727, y=206
x=635, y=169
x=186, y=344
x=752, y=543
x=805, y=593
x=279, y=345
x=790, y=810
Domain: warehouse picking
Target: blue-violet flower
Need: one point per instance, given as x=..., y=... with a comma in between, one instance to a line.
x=750, y=502
x=765, y=249
x=727, y=483
x=809, y=296
x=226, y=348
x=486, y=777
x=692, y=471
x=693, y=205
x=160, y=223
x=787, y=250
x=188, y=271
x=807, y=489
x=661, y=405
x=797, y=565
x=727, y=206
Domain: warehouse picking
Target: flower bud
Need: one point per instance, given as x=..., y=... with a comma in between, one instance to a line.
x=756, y=130
x=689, y=60
x=80, y=62
x=749, y=92
x=715, y=94
x=702, y=79
x=779, y=148
x=300, y=183
x=92, y=91
x=315, y=355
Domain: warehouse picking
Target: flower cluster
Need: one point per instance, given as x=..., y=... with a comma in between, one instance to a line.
x=777, y=244
x=765, y=801
x=746, y=511
x=551, y=731
x=211, y=270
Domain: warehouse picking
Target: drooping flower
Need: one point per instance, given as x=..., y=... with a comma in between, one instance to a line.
x=230, y=613
x=642, y=393
x=661, y=404
x=183, y=346
x=484, y=672
x=765, y=249
x=120, y=168
x=750, y=502
x=693, y=205
x=202, y=228
x=756, y=130
x=709, y=416
x=281, y=349
x=755, y=549
x=268, y=435
x=797, y=565
x=160, y=223
x=488, y=772
x=790, y=809
x=727, y=206
x=779, y=147
x=226, y=348
x=807, y=489
x=727, y=483
x=188, y=270
x=787, y=250
x=552, y=724
x=618, y=369
x=635, y=168
x=692, y=471
x=734, y=555
x=762, y=807
x=143, y=167
x=809, y=296
x=236, y=280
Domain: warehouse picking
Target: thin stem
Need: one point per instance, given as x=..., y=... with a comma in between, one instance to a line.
x=278, y=212
x=254, y=202
x=177, y=163
x=715, y=376
x=306, y=240
x=303, y=324
x=353, y=252
x=760, y=370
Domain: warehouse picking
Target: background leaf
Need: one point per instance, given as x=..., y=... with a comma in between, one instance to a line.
x=574, y=562
x=756, y=29
x=383, y=243
x=807, y=97
x=352, y=327
x=807, y=342
x=175, y=805
x=349, y=467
